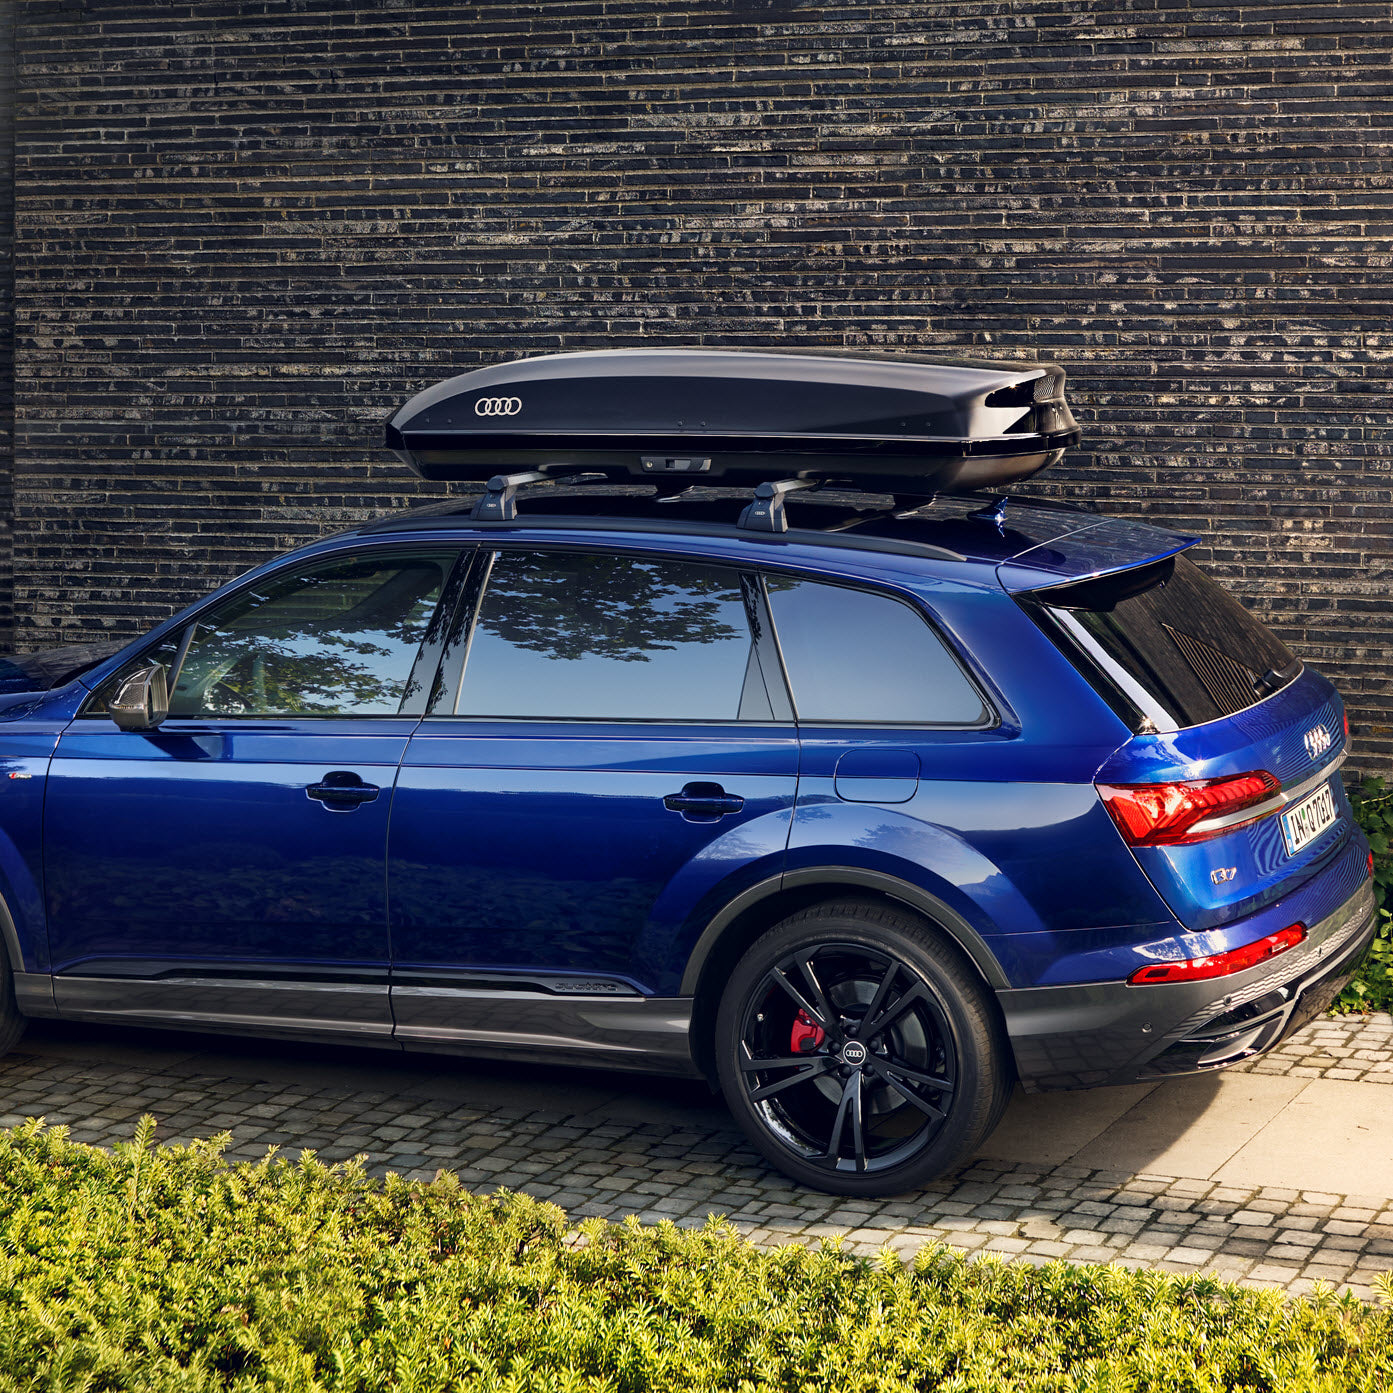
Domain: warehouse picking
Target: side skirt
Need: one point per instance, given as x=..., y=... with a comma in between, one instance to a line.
x=596, y=1031
x=645, y=1034
x=354, y=1013
x=34, y=994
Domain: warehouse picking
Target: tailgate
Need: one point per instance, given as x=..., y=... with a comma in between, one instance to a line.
x=1298, y=737
x=1229, y=790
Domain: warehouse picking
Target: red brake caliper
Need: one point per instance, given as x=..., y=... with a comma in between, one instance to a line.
x=807, y=1034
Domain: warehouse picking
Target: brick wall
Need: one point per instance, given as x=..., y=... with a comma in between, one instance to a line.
x=7, y=94
x=246, y=232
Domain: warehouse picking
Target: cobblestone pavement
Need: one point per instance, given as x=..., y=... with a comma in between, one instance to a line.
x=665, y=1150
x=1354, y=1048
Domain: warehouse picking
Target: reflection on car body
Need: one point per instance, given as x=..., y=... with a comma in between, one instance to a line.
x=861, y=802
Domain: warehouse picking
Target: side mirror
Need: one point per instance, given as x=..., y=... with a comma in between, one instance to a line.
x=141, y=702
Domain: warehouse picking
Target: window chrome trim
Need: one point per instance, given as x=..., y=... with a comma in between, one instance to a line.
x=1271, y=805
x=1161, y=721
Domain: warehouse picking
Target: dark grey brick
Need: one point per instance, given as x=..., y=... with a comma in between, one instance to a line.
x=249, y=231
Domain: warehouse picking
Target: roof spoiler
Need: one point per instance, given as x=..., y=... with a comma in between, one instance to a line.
x=686, y=416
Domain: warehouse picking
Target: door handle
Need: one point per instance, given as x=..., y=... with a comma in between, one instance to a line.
x=700, y=802
x=342, y=791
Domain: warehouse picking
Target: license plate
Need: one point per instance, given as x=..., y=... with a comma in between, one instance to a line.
x=1302, y=824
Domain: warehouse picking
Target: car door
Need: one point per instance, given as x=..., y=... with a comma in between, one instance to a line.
x=892, y=730
x=227, y=869
x=610, y=751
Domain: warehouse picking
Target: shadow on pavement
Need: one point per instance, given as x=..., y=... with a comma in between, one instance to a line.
x=1142, y=1177
x=1132, y=1128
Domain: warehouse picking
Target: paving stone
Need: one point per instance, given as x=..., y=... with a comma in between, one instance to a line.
x=1085, y=1236
x=1366, y=1202
x=1089, y=1253
x=596, y=1166
x=1189, y=1255
x=1341, y=1242
x=1002, y=1244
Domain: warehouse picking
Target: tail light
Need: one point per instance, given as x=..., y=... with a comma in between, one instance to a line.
x=1176, y=813
x=1221, y=964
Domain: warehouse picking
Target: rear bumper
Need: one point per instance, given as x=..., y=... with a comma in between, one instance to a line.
x=1109, y=1032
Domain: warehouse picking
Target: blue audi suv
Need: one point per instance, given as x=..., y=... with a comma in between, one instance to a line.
x=739, y=727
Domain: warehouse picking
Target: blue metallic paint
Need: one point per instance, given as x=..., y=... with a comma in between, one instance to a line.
x=545, y=845
x=29, y=729
x=1266, y=736
x=197, y=844
x=993, y=853
x=877, y=774
x=1113, y=955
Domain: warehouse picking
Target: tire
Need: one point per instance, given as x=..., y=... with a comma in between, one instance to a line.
x=11, y=1022
x=908, y=1101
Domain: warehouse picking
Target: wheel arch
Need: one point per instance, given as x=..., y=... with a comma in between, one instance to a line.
x=763, y=905
x=9, y=934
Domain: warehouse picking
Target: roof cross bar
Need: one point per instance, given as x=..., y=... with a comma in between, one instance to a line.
x=499, y=502
x=766, y=513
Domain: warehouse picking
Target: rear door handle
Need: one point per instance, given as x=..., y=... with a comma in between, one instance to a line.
x=342, y=791
x=699, y=802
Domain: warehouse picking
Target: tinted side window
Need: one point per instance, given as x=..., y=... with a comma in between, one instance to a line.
x=857, y=658
x=335, y=638
x=566, y=636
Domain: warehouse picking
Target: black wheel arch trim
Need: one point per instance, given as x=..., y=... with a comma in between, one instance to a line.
x=33, y=991
x=10, y=934
x=851, y=878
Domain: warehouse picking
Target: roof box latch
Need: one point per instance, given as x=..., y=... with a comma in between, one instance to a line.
x=766, y=513
x=676, y=464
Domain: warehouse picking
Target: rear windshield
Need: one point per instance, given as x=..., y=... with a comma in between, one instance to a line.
x=1164, y=644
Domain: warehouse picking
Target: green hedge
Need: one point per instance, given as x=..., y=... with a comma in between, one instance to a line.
x=165, y=1268
x=1372, y=987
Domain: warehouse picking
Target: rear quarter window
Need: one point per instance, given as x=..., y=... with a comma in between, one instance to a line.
x=854, y=657
x=1167, y=646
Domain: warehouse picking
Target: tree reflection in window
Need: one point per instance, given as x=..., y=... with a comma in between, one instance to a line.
x=587, y=636
x=617, y=607
x=333, y=640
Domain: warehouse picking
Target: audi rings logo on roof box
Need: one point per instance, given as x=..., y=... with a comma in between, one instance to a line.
x=1317, y=741
x=498, y=406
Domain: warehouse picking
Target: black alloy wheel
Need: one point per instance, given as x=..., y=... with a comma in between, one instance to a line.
x=858, y=1050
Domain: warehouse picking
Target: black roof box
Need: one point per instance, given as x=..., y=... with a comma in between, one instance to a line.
x=899, y=424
